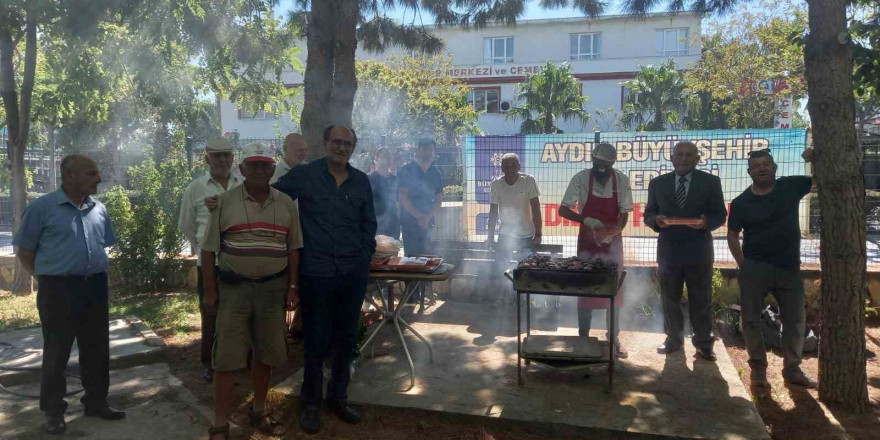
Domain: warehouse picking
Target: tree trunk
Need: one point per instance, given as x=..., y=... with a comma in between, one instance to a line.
x=318, y=78
x=53, y=173
x=18, y=123
x=829, y=68
x=344, y=74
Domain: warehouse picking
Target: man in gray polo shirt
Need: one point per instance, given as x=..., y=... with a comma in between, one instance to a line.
x=61, y=241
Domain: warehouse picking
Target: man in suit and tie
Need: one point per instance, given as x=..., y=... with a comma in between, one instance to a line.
x=684, y=252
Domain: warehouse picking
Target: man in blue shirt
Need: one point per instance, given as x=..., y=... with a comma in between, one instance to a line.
x=61, y=241
x=421, y=195
x=339, y=239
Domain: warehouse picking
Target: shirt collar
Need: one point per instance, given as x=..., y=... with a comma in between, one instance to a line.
x=233, y=180
x=248, y=196
x=687, y=176
x=61, y=198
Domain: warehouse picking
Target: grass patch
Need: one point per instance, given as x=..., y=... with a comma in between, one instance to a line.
x=18, y=311
x=174, y=313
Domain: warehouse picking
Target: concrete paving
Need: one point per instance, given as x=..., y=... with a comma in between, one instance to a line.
x=131, y=343
x=158, y=406
x=474, y=373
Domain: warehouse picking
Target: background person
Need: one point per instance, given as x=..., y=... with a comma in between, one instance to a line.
x=514, y=200
x=295, y=151
x=62, y=241
x=420, y=195
x=605, y=200
x=685, y=254
x=384, y=184
x=198, y=200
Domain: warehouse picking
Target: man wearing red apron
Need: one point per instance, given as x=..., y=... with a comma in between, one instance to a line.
x=600, y=200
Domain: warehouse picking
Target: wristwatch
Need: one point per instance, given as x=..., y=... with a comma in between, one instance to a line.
x=292, y=286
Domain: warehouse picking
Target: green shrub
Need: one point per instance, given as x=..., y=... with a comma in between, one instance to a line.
x=145, y=220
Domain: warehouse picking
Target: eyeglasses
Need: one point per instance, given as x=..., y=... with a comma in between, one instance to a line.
x=342, y=143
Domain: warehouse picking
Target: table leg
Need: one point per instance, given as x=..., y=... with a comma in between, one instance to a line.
x=518, y=340
x=611, y=360
x=412, y=368
x=410, y=328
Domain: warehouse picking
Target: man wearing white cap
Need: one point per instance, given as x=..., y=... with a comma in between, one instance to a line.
x=255, y=236
x=199, y=199
x=605, y=200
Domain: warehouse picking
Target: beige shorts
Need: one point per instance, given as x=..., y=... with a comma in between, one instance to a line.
x=251, y=315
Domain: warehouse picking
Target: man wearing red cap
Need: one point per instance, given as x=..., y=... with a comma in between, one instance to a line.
x=255, y=235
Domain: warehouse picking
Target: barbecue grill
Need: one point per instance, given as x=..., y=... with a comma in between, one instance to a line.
x=564, y=352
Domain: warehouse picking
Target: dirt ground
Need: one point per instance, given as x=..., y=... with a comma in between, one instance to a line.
x=795, y=413
x=789, y=414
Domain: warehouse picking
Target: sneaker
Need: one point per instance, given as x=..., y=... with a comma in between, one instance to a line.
x=799, y=378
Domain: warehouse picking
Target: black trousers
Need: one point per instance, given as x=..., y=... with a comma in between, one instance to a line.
x=331, y=309
x=698, y=277
x=209, y=319
x=74, y=307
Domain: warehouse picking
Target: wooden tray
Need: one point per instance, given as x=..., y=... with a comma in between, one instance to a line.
x=681, y=221
x=393, y=264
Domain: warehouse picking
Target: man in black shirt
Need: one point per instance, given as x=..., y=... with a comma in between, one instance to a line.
x=769, y=262
x=339, y=228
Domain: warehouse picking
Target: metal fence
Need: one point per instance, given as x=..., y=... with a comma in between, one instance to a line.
x=551, y=159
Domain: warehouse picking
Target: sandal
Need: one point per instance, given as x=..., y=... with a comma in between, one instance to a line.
x=265, y=422
x=214, y=431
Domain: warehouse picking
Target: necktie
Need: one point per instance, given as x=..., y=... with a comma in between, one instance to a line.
x=681, y=192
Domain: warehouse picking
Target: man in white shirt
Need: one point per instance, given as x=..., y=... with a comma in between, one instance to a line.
x=600, y=199
x=199, y=199
x=295, y=152
x=514, y=199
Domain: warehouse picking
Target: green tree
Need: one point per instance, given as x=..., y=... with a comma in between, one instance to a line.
x=409, y=97
x=742, y=51
x=547, y=97
x=658, y=98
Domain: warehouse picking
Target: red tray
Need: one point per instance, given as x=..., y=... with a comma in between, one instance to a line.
x=393, y=264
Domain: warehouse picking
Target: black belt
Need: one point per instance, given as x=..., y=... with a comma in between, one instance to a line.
x=72, y=277
x=234, y=278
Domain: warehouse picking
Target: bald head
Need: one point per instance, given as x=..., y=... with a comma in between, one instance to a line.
x=295, y=149
x=79, y=175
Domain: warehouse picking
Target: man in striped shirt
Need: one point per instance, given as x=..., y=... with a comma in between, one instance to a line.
x=256, y=233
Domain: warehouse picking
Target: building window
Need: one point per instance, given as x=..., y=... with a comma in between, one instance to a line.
x=485, y=100
x=624, y=97
x=672, y=42
x=258, y=115
x=585, y=46
x=498, y=50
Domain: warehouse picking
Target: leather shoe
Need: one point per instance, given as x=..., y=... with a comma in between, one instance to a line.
x=309, y=420
x=105, y=412
x=706, y=354
x=759, y=379
x=345, y=412
x=800, y=379
x=208, y=373
x=55, y=424
x=668, y=348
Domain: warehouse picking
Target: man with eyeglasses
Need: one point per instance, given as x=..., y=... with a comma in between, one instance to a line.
x=684, y=207
x=199, y=199
x=769, y=262
x=339, y=228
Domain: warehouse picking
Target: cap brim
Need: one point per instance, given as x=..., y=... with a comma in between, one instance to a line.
x=259, y=159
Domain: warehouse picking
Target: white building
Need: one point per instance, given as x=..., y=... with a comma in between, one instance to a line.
x=603, y=52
